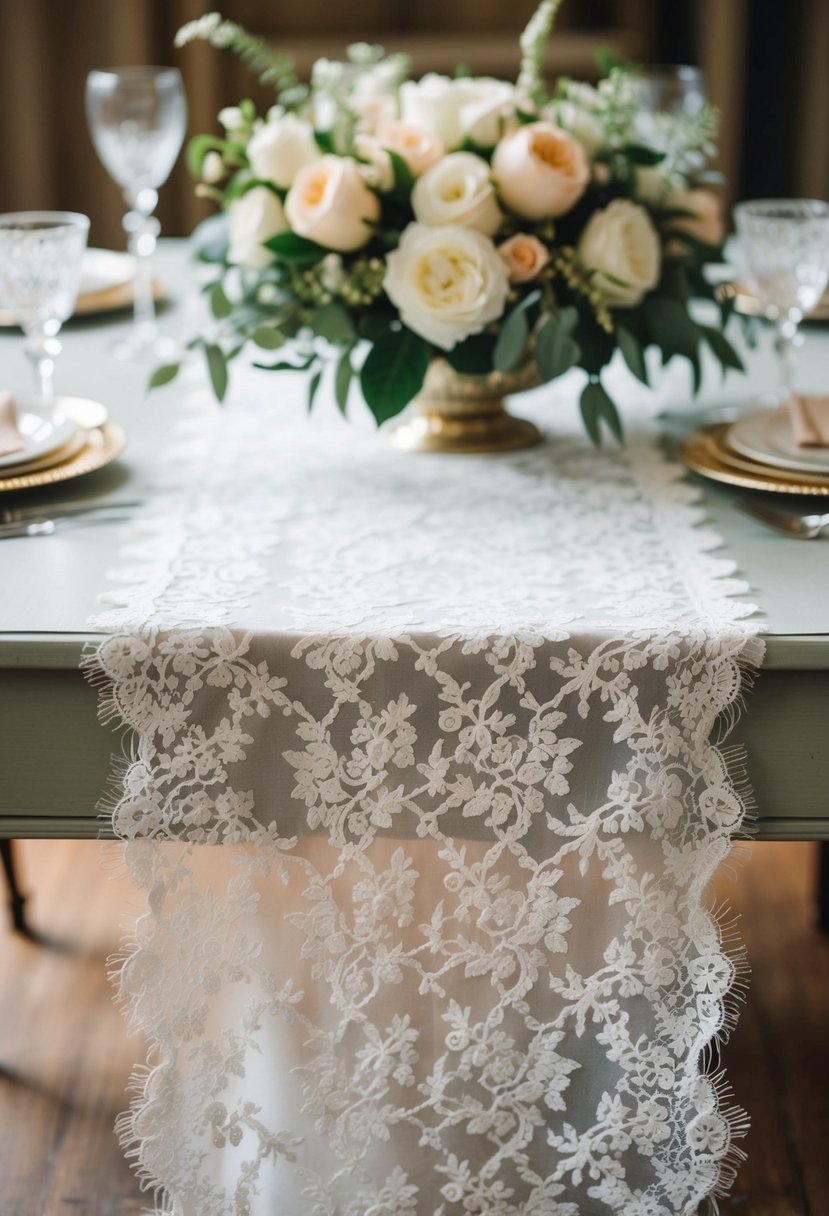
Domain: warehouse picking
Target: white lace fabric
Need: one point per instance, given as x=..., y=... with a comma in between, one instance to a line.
x=453, y=723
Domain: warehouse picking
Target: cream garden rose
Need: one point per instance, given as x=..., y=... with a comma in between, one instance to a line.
x=418, y=148
x=621, y=246
x=458, y=190
x=280, y=148
x=330, y=203
x=540, y=171
x=454, y=110
x=252, y=219
x=524, y=257
x=447, y=282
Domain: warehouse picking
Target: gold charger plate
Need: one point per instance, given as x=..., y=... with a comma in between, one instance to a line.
x=706, y=452
x=58, y=456
x=103, y=445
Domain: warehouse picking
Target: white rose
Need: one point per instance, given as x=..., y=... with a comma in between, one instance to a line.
x=433, y=103
x=280, y=148
x=621, y=246
x=330, y=203
x=447, y=282
x=252, y=219
x=541, y=172
x=375, y=162
x=457, y=190
x=374, y=108
x=487, y=106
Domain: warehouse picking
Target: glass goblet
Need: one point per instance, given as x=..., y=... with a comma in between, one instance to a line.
x=40, y=271
x=785, y=248
x=138, y=119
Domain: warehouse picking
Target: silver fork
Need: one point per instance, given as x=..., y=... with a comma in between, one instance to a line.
x=14, y=515
x=804, y=527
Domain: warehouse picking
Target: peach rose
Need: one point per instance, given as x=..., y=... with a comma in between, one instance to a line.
x=524, y=257
x=418, y=147
x=541, y=172
x=706, y=222
x=330, y=203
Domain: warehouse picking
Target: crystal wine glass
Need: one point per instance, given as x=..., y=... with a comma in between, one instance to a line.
x=40, y=270
x=138, y=119
x=785, y=248
x=672, y=88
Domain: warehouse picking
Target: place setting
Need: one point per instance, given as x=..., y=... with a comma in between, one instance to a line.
x=782, y=444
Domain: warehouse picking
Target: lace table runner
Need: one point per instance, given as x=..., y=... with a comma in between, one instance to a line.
x=453, y=722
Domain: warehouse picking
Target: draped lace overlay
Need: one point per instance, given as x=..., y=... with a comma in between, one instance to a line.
x=453, y=722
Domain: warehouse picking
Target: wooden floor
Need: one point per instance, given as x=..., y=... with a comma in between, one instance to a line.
x=65, y=1057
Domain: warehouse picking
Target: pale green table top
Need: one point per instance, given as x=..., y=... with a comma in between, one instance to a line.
x=48, y=587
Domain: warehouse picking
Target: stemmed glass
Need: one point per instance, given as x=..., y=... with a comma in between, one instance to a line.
x=785, y=248
x=40, y=271
x=138, y=119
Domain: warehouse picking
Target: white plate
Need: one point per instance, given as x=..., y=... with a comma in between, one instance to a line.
x=767, y=437
x=42, y=431
x=103, y=269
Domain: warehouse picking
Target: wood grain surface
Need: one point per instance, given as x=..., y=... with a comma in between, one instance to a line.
x=65, y=1056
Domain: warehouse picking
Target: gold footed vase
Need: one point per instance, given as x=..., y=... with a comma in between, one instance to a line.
x=457, y=413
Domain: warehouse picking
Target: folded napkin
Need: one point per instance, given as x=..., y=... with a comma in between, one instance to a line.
x=810, y=419
x=10, y=438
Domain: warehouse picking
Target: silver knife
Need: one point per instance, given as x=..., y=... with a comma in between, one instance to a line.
x=47, y=527
x=14, y=515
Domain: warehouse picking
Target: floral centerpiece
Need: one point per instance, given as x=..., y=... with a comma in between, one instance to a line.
x=463, y=224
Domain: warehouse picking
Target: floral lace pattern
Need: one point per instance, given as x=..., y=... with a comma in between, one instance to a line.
x=451, y=721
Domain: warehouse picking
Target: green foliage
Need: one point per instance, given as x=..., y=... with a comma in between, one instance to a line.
x=393, y=373
x=333, y=323
x=289, y=247
x=220, y=305
x=473, y=356
x=633, y=353
x=513, y=335
x=342, y=380
x=596, y=408
x=163, y=375
x=555, y=350
x=216, y=368
x=266, y=337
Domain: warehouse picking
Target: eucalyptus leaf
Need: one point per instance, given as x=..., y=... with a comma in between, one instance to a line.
x=513, y=335
x=163, y=375
x=555, y=351
x=217, y=369
x=633, y=354
x=722, y=348
x=285, y=366
x=324, y=139
x=473, y=356
x=393, y=373
x=342, y=380
x=220, y=305
x=267, y=338
x=671, y=328
x=333, y=323
x=597, y=407
x=313, y=388
x=639, y=154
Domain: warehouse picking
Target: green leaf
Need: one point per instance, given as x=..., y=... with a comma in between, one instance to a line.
x=597, y=407
x=313, y=387
x=217, y=367
x=404, y=179
x=555, y=351
x=639, y=154
x=267, y=338
x=290, y=247
x=220, y=305
x=200, y=145
x=375, y=325
x=670, y=327
x=723, y=349
x=633, y=354
x=163, y=375
x=473, y=356
x=393, y=373
x=513, y=335
x=607, y=60
x=333, y=323
x=324, y=139
x=342, y=380
x=285, y=366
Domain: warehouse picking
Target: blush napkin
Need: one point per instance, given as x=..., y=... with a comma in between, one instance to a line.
x=810, y=419
x=11, y=440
